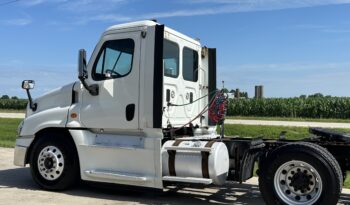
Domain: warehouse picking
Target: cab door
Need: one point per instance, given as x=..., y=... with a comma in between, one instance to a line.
x=190, y=71
x=114, y=67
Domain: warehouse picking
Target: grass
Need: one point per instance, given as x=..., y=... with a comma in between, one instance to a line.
x=288, y=119
x=347, y=180
x=8, y=131
x=270, y=132
x=12, y=111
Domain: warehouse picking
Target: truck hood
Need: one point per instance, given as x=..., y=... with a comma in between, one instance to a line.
x=59, y=97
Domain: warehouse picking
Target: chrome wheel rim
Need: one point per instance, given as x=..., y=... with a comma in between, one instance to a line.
x=50, y=163
x=298, y=183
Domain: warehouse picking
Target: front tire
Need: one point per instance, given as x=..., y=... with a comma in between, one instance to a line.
x=300, y=174
x=54, y=163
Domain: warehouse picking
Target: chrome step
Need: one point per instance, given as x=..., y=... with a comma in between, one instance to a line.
x=118, y=176
x=188, y=180
x=191, y=149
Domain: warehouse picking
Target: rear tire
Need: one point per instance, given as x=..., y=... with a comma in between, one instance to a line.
x=300, y=173
x=54, y=162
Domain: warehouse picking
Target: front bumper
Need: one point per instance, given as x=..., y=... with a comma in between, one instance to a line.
x=22, y=145
x=20, y=156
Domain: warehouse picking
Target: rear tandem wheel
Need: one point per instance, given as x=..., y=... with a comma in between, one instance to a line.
x=300, y=174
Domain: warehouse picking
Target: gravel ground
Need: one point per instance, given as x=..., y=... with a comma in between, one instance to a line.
x=12, y=115
x=17, y=187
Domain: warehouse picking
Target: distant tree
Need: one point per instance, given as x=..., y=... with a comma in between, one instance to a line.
x=232, y=91
x=14, y=98
x=5, y=97
x=244, y=94
x=225, y=90
x=303, y=96
x=316, y=95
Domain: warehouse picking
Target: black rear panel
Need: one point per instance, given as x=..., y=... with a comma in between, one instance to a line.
x=158, y=77
x=212, y=74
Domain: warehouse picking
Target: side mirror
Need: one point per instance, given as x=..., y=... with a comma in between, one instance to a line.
x=82, y=74
x=28, y=84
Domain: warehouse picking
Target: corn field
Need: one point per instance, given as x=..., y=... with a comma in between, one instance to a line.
x=322, y=107
x=13, y=104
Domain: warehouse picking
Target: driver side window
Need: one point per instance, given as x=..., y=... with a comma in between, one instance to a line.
x=114, y=59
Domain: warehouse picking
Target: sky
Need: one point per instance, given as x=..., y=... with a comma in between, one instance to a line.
x=292, y=47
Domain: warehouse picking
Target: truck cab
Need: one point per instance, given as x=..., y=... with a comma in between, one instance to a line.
x=140, y=88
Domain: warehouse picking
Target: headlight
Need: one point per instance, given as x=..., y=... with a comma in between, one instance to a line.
x=19, y=129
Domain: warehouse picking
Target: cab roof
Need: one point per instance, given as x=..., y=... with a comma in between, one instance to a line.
x=132, y=25
x=147, y=23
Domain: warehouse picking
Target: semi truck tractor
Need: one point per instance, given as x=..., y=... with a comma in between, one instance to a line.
x=145, y=111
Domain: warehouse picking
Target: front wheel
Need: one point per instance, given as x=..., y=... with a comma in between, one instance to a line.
x=300, y=174
x=54, y=163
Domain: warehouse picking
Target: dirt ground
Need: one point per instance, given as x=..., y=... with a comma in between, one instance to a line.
x=17, y=187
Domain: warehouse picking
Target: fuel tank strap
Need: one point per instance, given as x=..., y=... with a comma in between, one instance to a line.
x=205, y=160
x=171, y=162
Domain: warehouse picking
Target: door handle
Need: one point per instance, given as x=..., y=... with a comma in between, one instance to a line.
x=130, y=112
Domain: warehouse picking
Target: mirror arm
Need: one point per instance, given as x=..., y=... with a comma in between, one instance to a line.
x=32, y=105
x=93, y=89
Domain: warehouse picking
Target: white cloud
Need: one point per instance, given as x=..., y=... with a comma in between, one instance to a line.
x=335, y=29
x=33, y=2
x=287, y=67
x=107, y=18
x=101, y=10
x=286, y=3
x=30, y=3
x=212, y=7
x=233, y=6
x=330, y=30
x=16, y=22
x=93, y=6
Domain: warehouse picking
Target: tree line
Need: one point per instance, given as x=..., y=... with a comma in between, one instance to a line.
x=12, y=103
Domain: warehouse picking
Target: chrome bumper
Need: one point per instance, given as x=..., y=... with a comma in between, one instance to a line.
x=22, y=145
x=20, y=156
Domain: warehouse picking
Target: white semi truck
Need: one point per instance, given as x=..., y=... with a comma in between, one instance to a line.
x=145, y=112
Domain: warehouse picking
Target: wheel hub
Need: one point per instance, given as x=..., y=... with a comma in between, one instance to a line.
x=50, y=163
x=297, y=182
x=300, y=181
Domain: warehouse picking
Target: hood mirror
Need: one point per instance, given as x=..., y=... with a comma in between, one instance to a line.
x=28, y=85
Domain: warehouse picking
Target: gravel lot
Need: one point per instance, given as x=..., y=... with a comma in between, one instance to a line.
x=12, y=115
x=17, y=187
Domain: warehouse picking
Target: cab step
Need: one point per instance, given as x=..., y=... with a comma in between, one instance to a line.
x=118, y=176
x=188, y=180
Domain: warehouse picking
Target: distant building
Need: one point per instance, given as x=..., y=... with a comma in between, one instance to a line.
x=231, y=95
x=237, y=93
x=259, y=91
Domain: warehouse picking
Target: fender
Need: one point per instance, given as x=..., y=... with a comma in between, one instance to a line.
x=52, y=111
